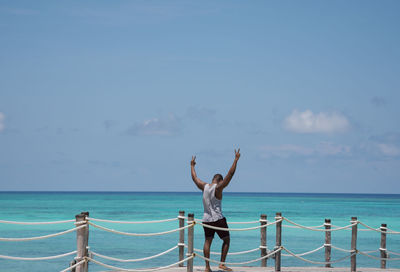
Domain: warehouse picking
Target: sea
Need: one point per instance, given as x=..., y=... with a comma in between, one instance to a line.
x=304, y=208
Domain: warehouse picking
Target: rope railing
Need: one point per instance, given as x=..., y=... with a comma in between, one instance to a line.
x=230, y=253
x=239, y=222
x=133, y=260
x=139, y=270
x=240, y=263
x=341, y=249
x=369, y=228
x=138, y=234
x=377, y=258
x=378, y=230
x=393, y=253
x=306, y=253
x=37, y=258
x=316, y=262
x=42, y=237
x=84, y=221
x=241, y=229
x=296, y=227
x=315, y=229
x=132, y=222
x=36, y=223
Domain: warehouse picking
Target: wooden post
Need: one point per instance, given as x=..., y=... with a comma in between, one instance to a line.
x=263, y=244
x=383, y=245
x=278, y=241
x=81, y=242
x=181, y=243
x=328, y=247
x=354, y=244
x=190, y=242
x=86, y=214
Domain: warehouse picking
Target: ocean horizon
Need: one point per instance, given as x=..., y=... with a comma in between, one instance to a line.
x=308, y=209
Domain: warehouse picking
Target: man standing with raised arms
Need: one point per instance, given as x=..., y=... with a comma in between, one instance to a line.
x=212, y=196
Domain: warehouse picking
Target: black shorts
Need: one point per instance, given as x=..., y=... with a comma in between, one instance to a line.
x=209, y=233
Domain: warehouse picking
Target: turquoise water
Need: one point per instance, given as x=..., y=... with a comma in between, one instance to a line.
x=306, y=209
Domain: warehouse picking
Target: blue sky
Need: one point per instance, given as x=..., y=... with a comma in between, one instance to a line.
x=118, y=95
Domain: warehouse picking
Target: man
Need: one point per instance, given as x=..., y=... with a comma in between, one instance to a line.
x=212, y=196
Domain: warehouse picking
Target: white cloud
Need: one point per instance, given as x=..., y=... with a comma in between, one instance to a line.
x=168, y=126
x=387, y=144
x=389, y=149
x=290, y=150
x=323, y=122
x=2, y=117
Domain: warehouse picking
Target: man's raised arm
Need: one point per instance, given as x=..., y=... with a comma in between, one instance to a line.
x=199, y=183
x=231, y=171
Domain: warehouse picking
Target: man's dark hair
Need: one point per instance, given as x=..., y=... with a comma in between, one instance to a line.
x=218, y=177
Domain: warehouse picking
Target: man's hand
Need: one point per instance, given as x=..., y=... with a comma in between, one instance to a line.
x=231, y=172
x=199, y=183
x=193, y=161
x=237, y=154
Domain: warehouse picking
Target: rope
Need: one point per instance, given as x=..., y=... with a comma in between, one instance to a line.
x=308, y=252
x=349, y=250
x=131, y=222
x=315, y=262
x=140, y=270
x=372, y=229
x=296, y=227
x=247, y=262
x=341, y=249
x=42, y=237
x=313, y=229
x=245, y=222
x=378, y=230
x=230, y=253
x=37, y=258
x=73, y=266
x=372, y=251
x=242, y=229
x=134, y=260
x=36, y=223
x=392, y=231
x=139, y=234
x=378, y=258
x=394, y=253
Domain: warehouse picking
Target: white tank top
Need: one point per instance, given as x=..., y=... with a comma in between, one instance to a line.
x=212, y=205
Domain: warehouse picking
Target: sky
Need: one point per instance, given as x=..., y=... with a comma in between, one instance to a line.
x=118, y=95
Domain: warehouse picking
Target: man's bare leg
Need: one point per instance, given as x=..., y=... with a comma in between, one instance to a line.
x=206, y=252
x=224, y=253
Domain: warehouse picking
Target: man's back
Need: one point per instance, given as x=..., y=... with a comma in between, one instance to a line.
x=212, y=205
